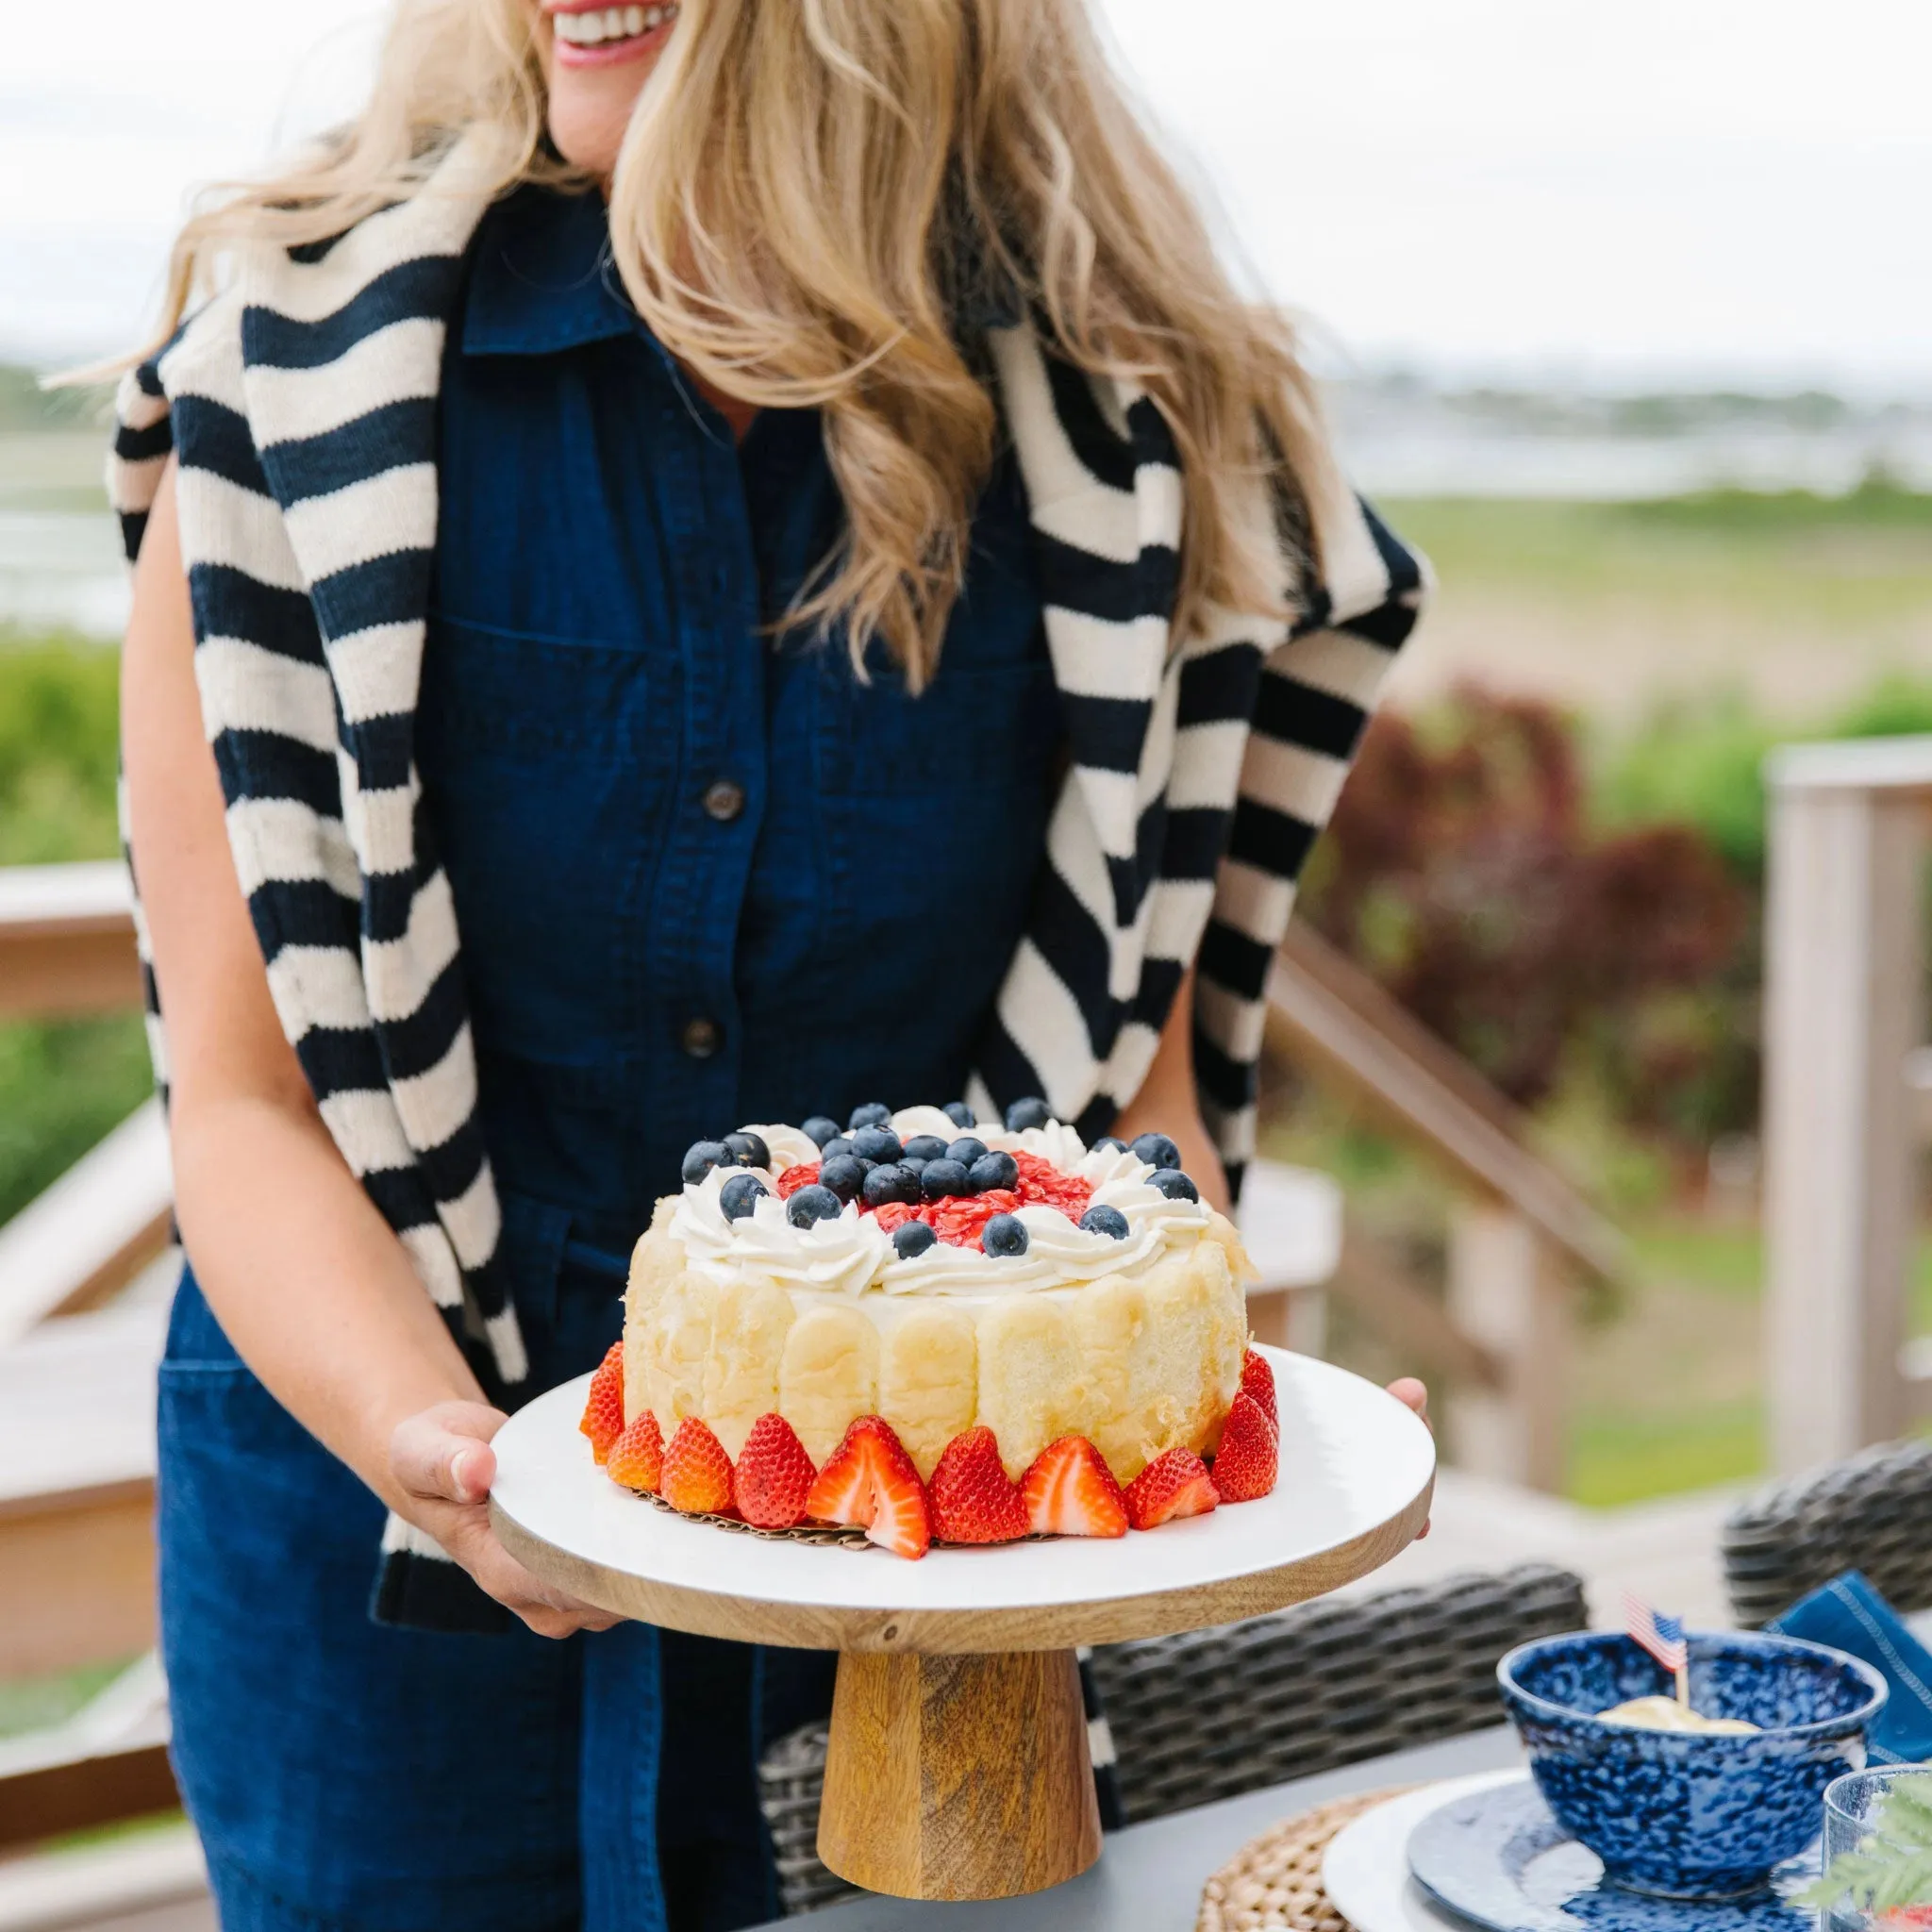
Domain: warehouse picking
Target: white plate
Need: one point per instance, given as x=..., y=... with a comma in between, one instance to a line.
x=1365, y=1869
x=1354, y=1463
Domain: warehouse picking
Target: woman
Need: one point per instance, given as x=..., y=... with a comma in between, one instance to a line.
x=691, y=501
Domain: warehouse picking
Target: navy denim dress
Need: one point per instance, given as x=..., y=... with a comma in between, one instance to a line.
x=705, y=876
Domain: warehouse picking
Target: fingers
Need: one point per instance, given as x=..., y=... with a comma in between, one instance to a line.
x=442, y=1462
x=548, y=1612
x=1411, y=1395
x=443, y=1454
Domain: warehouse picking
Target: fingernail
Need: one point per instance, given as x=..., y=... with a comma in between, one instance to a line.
x=458, y=1475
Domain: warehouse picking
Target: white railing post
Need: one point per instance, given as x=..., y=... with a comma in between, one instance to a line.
x=1844, y=1001
x=1505, y=1295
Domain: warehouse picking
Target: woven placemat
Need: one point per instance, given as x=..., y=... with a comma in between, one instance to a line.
x=1273, y=1884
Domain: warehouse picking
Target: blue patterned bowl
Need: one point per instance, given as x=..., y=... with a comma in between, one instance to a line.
x=1683, y=1815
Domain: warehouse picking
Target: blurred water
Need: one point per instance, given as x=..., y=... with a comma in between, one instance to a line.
x=61, y=567
x=62, y=570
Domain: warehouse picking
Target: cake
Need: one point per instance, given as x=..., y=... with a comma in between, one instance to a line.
x=990, y=1324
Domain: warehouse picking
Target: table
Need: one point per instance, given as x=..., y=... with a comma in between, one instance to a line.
x=1149, y=1877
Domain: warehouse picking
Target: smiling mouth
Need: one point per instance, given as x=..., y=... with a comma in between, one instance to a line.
x=611, y=30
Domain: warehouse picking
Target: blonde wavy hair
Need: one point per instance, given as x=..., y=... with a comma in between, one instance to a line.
x=798, y=187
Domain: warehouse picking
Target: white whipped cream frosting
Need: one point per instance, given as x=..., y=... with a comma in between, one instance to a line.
x=852, y=1254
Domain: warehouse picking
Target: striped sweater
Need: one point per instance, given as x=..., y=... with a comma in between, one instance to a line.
x=299, y=406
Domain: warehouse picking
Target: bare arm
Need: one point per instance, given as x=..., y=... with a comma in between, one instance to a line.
x=306, y=1277
x=1166, y=1102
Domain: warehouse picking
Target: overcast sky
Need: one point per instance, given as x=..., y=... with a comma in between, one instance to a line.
x=1695, y=190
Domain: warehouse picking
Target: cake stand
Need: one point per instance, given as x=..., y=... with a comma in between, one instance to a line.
x=958, y=1766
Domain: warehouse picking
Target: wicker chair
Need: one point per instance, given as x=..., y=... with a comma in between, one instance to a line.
x=1219, y=1712
x=1871, y=1512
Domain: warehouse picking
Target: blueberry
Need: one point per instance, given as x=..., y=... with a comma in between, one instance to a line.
x=749, y=1149
x=913, y=1238
x=958, y=1113
x=844, y=1175
x=1030, y=1112
x=1005, y=1234
x=926, y=1147
x=890, y=1183
x=1157, y=1149
x=820, y=1129
x=913, y=1164
x=740, y=1195
x=1108, y=1220
x=1171, y=1182
x=701, y=1157
x=1111, y=1145
x=994, y=1171
x=838, y=1144
x=876, y=1143
x=944, y=1177
x=874, y=1113
x=811, y=1204
x=966, y=1150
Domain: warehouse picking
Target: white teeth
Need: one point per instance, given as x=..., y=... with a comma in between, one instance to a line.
x=611, y=24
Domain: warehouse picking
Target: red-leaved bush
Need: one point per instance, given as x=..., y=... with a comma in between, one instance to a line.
x=1461, y=870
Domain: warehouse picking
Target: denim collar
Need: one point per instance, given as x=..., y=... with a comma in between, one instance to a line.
x=543, y=280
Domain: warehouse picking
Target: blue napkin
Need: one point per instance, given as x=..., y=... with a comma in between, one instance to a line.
x=1848, y=1614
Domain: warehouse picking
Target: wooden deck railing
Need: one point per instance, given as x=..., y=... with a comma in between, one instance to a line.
x=1845, y=1090
x=1521, y=1239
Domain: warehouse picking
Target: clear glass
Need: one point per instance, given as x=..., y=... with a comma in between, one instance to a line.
x=1855, y=1824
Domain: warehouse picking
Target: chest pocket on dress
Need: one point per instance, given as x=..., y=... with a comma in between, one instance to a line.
x=935, y=809
x=551, y=770
x=988, y=729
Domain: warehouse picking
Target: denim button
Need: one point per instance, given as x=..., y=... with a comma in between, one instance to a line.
x=724, y=800
x=700, y=1038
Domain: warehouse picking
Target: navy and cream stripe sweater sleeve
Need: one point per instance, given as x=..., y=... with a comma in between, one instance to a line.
x=299, y=406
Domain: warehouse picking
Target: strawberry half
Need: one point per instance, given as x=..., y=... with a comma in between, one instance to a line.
x=1071, y=1492
x=974, y=1499
x=697, y=1472
x=1174, y=1484
x=773, y=1475
x=1258, y=1379
x=637, y=1457
x=602, y=1418
x=871, y=1484
x=1250, y=1451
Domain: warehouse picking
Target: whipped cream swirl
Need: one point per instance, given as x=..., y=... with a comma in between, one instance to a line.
x=844, y=1254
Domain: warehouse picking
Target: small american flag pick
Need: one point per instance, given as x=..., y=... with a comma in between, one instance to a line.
x=1661, y=1636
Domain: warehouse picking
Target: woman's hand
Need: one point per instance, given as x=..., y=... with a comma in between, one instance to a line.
x=1415, y=1396
x=441, y=1461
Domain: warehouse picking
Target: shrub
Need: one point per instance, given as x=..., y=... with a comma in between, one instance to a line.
x=60, y=705
x=62, y=1085
x=1463, y=873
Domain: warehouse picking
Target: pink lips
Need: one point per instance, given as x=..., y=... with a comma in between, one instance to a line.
x=608, y=53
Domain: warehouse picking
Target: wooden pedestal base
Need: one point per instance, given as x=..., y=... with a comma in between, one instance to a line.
x=959, y=1777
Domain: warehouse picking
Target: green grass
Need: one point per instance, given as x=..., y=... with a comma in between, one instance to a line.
x=37, y=1704
x=1855, y=559
x=62, y=1085
x=59, y=709
x=1618, y=1456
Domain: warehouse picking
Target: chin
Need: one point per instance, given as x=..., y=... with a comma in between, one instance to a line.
x=595, y=64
